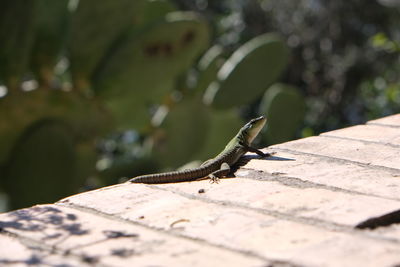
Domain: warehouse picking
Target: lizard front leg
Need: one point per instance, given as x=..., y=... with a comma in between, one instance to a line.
x=221, y=172
x=255, y=150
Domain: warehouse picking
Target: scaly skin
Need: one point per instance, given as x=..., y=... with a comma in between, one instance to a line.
x=216, y=167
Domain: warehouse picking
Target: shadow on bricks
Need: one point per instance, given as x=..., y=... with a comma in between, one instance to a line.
x=51, y=227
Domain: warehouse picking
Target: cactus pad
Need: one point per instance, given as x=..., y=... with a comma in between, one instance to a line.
x=95, y=26
x=50, y=35
x=284, y=108
x=143, y=69
x=248, y=72
x=208, y=67
x=223, y=126
x=16, y=35
x=42, y=165
x=182, y=133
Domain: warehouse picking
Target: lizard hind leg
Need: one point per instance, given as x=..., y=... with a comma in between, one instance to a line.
x=221, y=172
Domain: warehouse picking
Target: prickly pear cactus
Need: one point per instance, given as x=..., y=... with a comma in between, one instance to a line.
x=127, y=83
x=284, y=108
x=156, y=9
x=51, y=21
x=208, y=67
x=182, y=134
x=223, y=126
x=41, y=165
x=248, y=72
x=95, y=27
x=86, y=119
x=16, y=35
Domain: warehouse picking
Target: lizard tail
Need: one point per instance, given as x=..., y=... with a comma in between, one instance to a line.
x=171, y=177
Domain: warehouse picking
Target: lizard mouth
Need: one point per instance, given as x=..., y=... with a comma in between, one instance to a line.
x=254, y=127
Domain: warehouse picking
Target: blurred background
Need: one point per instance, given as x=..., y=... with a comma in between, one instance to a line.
x=95, y=91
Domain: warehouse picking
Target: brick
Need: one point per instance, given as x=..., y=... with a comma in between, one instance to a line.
x=285, y=166
x=98, y=240
x=370, y=133
x=357, y=151
x=158, y=251
x=314, y=203
x=393, y=120
x=242, y=229
x=112, y=198
x=351, y=251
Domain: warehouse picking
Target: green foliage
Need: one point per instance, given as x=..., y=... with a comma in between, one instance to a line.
x=381, y=41
x=284, y=107
x=335, y=46
x=381, y=95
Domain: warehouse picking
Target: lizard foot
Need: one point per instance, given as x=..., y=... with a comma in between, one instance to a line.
x=269, y=154
x=213, y=179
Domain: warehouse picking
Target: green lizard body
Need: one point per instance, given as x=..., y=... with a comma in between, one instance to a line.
x=218, y=166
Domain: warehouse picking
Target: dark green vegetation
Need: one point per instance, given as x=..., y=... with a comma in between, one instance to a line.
x=133, y=87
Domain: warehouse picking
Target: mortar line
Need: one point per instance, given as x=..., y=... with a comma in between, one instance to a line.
x=383, y=124
x=281, y=179
x=339, y=160
x=360, y=140
x=115, y=217
x=322, y=224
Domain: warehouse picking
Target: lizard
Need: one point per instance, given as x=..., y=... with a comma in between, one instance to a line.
x=217, y=167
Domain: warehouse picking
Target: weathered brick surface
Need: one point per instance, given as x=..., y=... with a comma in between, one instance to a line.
x=217, y=219
x=19, y=252
x=306, y=170
x=351, y=150
x=303, y=206
x=267, y=196
x=371, y=133
x=393, y=120
x=87, y=238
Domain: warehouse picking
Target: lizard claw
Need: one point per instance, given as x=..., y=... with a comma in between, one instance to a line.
x=213, y=179
x=269, y=154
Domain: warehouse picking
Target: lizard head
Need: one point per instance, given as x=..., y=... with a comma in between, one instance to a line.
x=251, y=129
